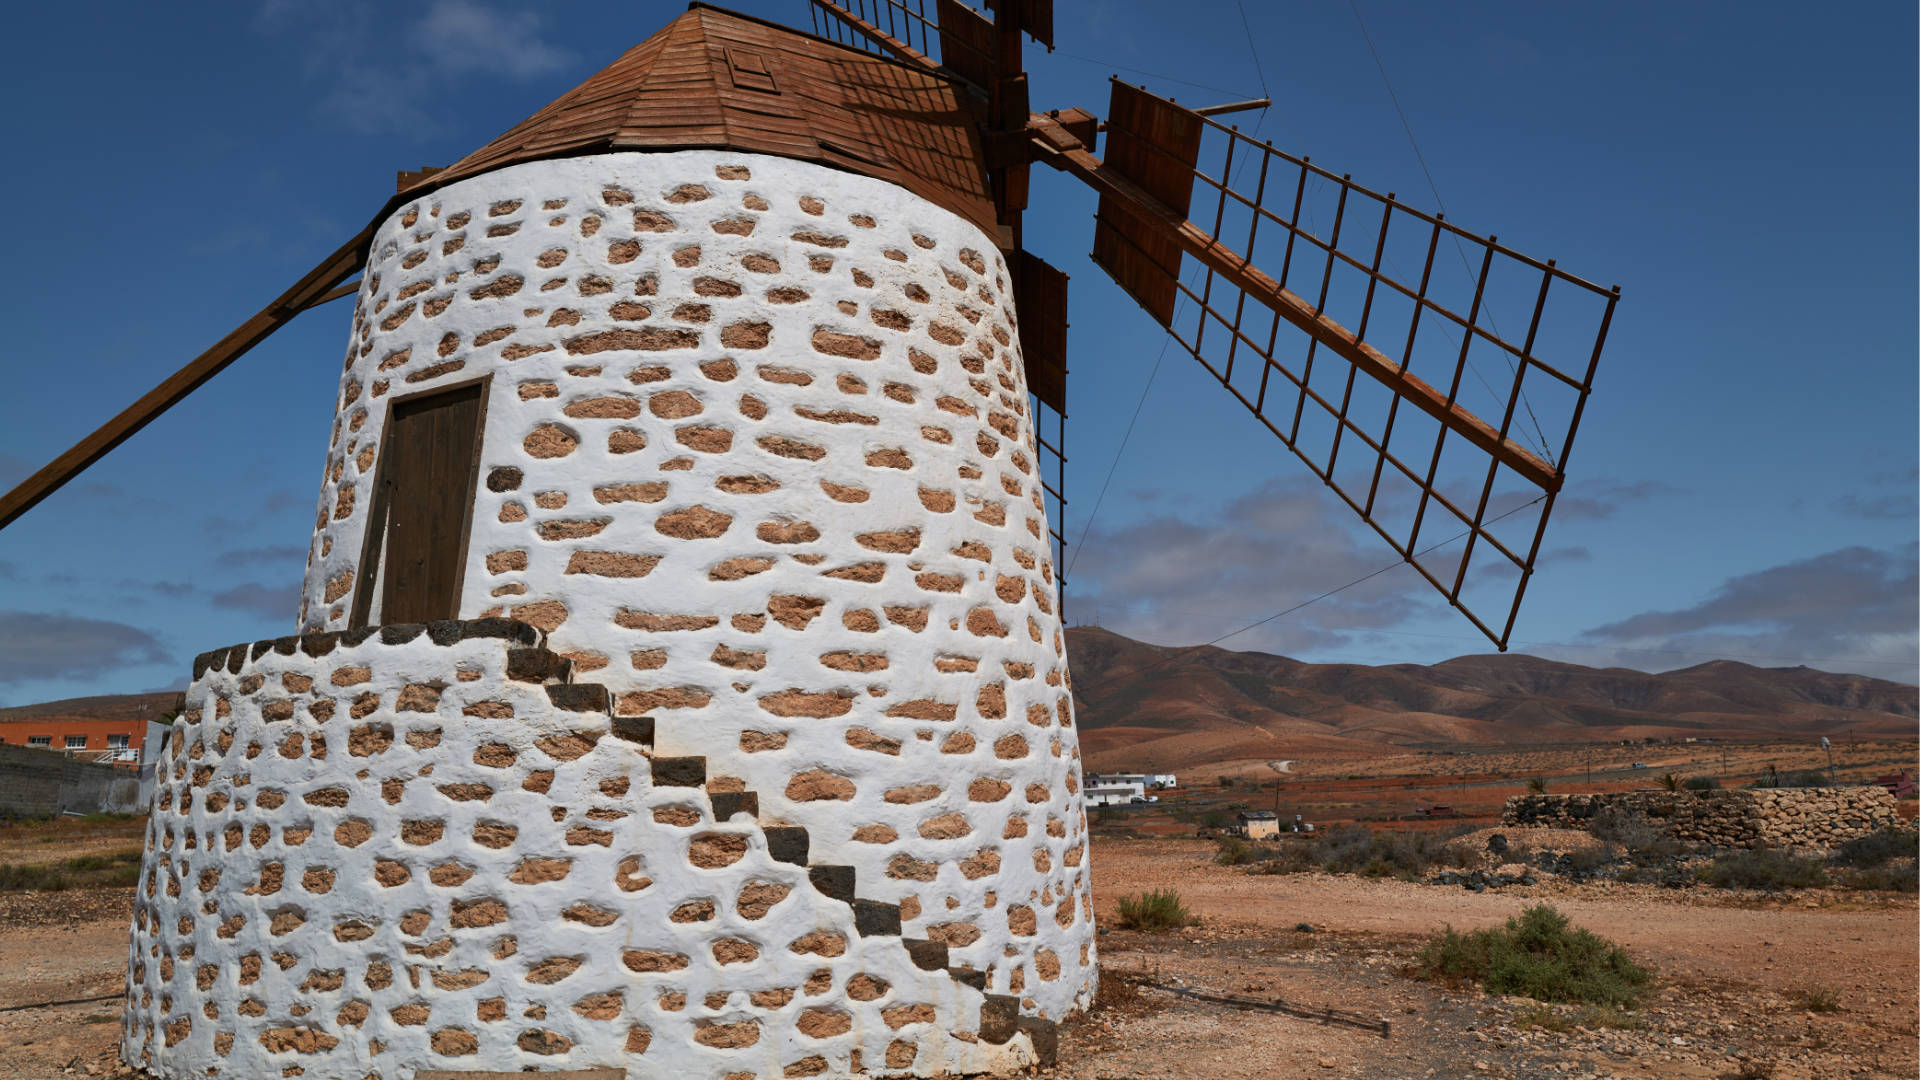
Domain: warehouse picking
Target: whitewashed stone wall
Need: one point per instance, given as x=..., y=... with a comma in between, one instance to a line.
x=757, y=458
x=372, y=853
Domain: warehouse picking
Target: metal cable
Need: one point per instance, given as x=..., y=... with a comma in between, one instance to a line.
x=1465, y=264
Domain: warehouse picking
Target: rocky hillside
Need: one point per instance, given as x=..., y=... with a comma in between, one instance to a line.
x=1210, y=704
x=107, y=707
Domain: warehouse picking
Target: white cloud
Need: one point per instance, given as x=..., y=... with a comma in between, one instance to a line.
x=1187, y=578
x=1850, y=609
x=458, y=37
x=273, y=602
x=385, y=74
x=38, y=645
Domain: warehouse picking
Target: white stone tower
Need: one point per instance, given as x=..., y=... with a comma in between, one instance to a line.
x=681, y=685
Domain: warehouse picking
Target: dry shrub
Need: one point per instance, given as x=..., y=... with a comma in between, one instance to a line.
x=1763, y=869
x=1155, y=911
x=1541, y=955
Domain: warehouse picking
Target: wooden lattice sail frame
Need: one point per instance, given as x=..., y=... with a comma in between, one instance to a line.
x=941, y=107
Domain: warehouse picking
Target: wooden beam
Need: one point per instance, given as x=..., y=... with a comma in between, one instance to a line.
x=899, y=49
x=1058, y=148
x=339, y=292
x=317, y=287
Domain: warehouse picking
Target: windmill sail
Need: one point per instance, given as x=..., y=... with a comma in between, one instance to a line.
x=1223, y=239
x=1219, y=236
x=1406, y=447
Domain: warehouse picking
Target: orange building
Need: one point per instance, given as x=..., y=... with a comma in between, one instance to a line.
x=74, y=733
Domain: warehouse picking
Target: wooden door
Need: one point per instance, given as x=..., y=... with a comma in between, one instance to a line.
x=423, y=502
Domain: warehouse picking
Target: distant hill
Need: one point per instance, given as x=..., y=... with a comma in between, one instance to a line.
x=1194, y=706
x=108, y=707
x=1186, y=707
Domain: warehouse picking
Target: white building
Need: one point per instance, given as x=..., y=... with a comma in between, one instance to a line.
x=1102, y=793
x=1145, y=780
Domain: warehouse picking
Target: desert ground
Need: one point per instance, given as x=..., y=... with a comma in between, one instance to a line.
x=1306, y=974
x=1251, y=993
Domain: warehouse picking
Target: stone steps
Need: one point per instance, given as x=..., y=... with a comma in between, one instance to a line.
x=1000, y=1018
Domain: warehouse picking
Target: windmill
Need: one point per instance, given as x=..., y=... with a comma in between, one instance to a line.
x=680, y=682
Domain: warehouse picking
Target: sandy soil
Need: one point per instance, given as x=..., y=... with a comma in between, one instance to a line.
x=61, y=947
x=1249, y=994
x=1732, y=970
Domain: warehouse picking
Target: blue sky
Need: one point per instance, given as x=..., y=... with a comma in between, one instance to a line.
x=1744, y=485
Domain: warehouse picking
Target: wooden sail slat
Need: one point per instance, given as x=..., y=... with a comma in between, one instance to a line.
x=1161, y=223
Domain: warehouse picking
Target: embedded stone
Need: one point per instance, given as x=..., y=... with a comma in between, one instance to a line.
x=732, y=1036
x=818, y=785
x=795, y=702
x=550, y=441
x=715, y=850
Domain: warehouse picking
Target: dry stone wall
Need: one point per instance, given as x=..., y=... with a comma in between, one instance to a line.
x=1812, y=818
x=376, y=852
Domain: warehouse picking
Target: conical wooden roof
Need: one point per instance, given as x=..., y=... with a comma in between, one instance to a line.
x=717, y=80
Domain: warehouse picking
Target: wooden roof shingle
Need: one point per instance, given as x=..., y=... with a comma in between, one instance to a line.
x=714, y=79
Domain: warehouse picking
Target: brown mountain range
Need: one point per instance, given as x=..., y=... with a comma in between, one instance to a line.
x=1183, y=707
x=105, y=707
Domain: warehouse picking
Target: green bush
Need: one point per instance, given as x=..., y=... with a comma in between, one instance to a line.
x=1356, y=849
x=1820, y=999
x=1297, y=858
x=1876, y=848
x=1701, y=783
x=1762, y=869
x=32, y=879
x=1537, y=785
x=1155, y=911
x=116, y=868
x=1543, y=1017
x=1234, y=852
x=105, y=862
x=1800, y=778
x=1897, y=876
x=1537, y=954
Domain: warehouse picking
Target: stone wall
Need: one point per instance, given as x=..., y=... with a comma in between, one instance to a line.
x=1812, y=818
x=758, y=458
x=38, y=783
x=424, y=847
